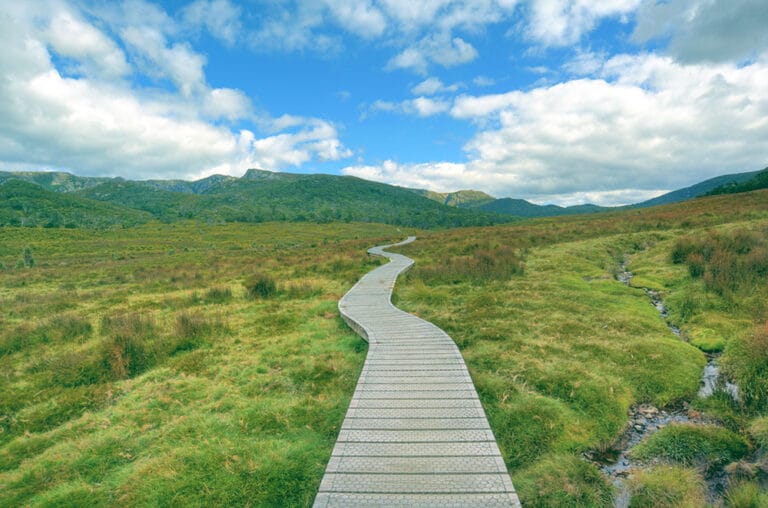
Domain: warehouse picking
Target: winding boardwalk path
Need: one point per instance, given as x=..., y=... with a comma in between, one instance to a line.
x=415, y=433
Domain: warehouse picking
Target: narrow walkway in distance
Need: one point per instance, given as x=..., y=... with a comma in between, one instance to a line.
x=415, y=433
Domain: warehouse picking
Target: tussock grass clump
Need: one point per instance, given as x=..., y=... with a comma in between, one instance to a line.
x=126, y=350
x=563, y=480
x=218, y=294
x=667, y=486
x=261, y=286
x=746, y=494
x=191, y=329
x=758, y=430
x=706, y=446
x=746, y=360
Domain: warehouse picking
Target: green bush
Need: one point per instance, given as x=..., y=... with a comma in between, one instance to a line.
x=261, y=286
x=667, y=486
x=706, y=446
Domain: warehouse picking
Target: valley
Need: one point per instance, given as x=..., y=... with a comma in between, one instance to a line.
x=194, y=363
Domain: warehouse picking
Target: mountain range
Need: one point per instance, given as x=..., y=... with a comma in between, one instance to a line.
x=58, y=199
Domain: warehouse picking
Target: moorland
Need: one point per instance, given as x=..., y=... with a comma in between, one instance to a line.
x=202, y=362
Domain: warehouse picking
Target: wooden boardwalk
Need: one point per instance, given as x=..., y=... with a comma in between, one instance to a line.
x=415, y=433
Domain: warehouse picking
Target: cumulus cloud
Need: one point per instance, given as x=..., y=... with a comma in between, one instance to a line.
x=706, y=31
x=647, y=119
x=100, y=121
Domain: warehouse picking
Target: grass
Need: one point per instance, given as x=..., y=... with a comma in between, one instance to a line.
x=667, y=487
x=747, y=494
x=136, y=371
x=704, y=446
x=559, y=349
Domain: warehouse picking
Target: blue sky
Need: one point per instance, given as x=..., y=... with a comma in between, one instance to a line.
x=555, y=101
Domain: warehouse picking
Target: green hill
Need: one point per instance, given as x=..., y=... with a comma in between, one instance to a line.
x=696, y=190
x=523, y=208
x=258, y=196
x=759, y=181
x=23, y=203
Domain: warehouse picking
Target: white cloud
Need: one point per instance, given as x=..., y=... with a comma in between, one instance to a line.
x=420, y=106
x=563, y=22
x=358, y=16
x=226, y=103
x=220, y=17
x=650, y=124
x=440, y=48
x=115, y=127
x=476, y=107
x=72, y=38
x=177, y=62
x=432, y=86
x=585, y=63
x=483, y=81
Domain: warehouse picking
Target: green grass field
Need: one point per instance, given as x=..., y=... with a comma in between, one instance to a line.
x=559, y=349
x=137, y=370
x=197, y=365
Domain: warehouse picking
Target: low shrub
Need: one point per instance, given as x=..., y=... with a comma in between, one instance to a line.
x=727, y=262
x=666, y=486
x=706, y=446
x=477, y=263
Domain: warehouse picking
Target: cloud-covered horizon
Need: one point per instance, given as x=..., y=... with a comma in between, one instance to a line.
x=560, y=101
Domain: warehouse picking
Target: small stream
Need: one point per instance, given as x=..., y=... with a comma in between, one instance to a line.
x=645, y=419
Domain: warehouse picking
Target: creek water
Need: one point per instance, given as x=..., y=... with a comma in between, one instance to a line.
x=644, y=419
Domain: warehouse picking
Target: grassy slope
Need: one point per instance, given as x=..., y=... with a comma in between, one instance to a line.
x=242, y=407
x=27, y=204
x=559, y=353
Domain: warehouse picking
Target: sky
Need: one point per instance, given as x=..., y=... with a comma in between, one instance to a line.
x=554, y=101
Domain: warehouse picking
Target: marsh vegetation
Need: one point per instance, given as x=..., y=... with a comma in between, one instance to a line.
x=198, y=364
